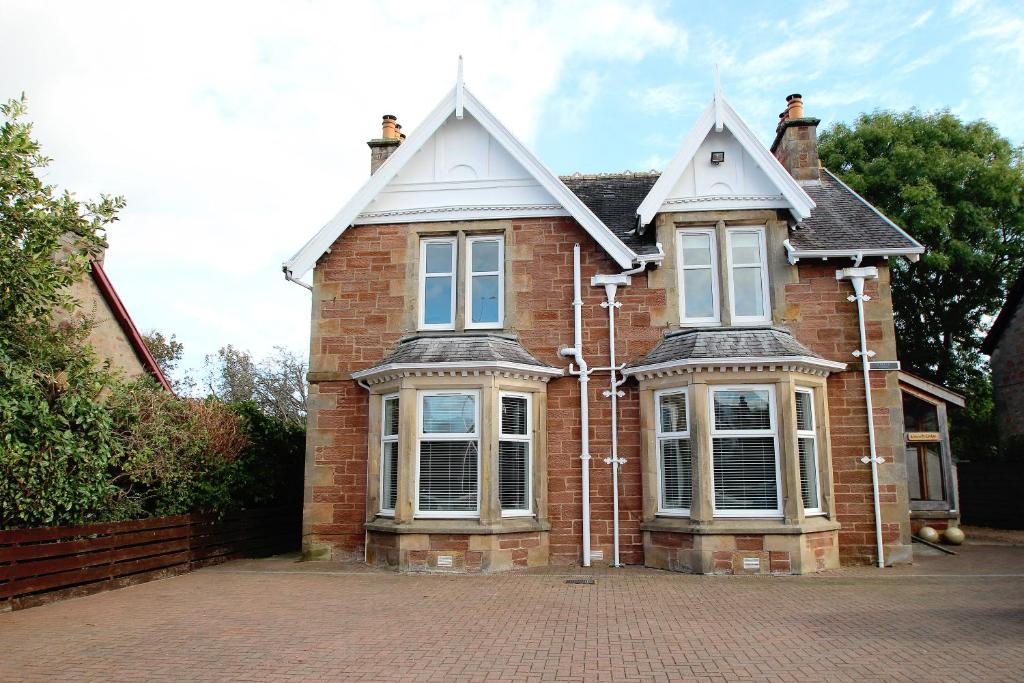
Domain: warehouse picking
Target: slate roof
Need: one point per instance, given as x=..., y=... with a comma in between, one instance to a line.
x=428, y=349
x=614, y=198
x=842, y=220
x=722, y=343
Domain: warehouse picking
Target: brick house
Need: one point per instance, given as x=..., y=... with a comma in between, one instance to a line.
x=508, y=368
x=1005, y=347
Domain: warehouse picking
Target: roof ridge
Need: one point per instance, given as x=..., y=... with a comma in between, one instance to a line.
x=610, y=174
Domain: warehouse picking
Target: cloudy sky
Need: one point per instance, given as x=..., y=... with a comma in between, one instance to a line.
x=236, y=130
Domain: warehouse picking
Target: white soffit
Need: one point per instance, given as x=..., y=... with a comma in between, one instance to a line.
x=453, y=192
x=750, y=177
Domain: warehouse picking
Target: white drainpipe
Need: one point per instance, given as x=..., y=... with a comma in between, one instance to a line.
x=576, y=353
x=856, y=276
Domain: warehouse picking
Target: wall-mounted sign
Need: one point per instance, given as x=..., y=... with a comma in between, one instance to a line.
x=923, y=436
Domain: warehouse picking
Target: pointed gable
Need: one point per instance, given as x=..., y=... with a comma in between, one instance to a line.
x=749, y=177
x=461, y=163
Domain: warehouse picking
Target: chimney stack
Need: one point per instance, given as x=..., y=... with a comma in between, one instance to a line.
x=383, y=147
x=796, y=141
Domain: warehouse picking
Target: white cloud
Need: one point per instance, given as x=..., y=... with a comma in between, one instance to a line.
x=235, y=130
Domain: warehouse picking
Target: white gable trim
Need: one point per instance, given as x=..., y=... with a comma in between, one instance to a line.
x=718, y=113
x=305, y=259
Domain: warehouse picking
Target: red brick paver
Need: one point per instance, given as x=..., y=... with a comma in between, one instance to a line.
x=948, y=618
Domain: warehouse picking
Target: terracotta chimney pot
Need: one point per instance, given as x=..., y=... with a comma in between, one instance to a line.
x=399, y=135
x=388, y=125
x=795, y=106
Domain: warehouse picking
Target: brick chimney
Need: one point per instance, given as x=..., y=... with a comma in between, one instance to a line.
x=796, y=141
x=383, y=147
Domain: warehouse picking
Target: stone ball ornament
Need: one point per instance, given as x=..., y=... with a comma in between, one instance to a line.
x=953, y=535
x=929, y=534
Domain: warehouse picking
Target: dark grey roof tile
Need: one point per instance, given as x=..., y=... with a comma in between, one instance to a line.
x=725, y=343
x=427, y=349
x=614, y=198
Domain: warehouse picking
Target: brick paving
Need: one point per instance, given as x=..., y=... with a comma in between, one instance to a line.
x=947, y=618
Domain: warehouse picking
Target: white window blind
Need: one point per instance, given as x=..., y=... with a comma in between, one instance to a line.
x=485, y=286
x=389, y=455
x=514, y=455
x=807, y=446
x=748, y=275
x=437, y=283
x=675, y=463
x=745, y=452
x=698, y=276
x=448, y=467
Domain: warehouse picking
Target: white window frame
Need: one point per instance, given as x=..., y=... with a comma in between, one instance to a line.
x=740, y=433
x=467, y=436
x=470, y=243
x=811, y=434
x=424, y=241
x=386, y=438
x=528, y=439
x=661, y=436
x=763, y=264
x=716, y=318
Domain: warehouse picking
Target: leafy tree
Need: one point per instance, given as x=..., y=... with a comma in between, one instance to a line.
x=957, y=188
x=167, y=351
x=277, y=384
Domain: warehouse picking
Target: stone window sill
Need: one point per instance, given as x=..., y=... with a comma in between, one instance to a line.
x=508, y=525
x=740, y=526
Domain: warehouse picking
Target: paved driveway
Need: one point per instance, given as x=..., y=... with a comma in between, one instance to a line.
x=948, y=618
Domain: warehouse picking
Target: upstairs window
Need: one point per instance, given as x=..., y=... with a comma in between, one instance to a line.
x=675, y=460
x=698, y=277
x=448, y=467
x=437, y=283
x=748, y=276
x=389, y=455
x=484, y=282
x=745, y=462
x=514, y=455
x=807, y=448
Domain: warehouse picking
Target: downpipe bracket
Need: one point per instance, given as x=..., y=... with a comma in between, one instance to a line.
x=878, y=460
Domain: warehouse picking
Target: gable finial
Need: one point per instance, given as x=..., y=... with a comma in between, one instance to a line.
x=718, y=101
x=459, y=92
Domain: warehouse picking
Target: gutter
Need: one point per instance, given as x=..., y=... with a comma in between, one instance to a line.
x=290, y=278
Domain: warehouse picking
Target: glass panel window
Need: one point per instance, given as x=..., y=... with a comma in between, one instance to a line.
x=745, y=452
x=437, y=283
x=675, y=463
x=748, y=275
x=485, y=291
x=514, y=455
x=807, y=447
x=448, y=466
x=389, y=455
x=698, y=301
x=926, y=474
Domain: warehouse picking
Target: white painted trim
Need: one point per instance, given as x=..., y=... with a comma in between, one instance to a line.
x=457, y=213
x=456, y=366
x=386, y=438
x=453, y=274
x=467, y=437
x=470, y=273
x=659, y=436
x=681, y=269
x=811, y=434
x=793, y=254
x=528, y=440
x=305, y=259
x=773, y=432
x=765, y=296
x=799, y=203
x=750, y=361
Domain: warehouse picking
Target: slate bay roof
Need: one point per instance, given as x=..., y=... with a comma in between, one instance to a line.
x=729, y=343
x=841, y=220
x=469, y=349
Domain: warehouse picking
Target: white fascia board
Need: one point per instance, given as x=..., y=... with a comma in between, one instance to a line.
x=622, y=254
x=919, y=249
x=449, y=366
x=796, y=254
x=798, y=201
x=303, y=261
x=809, y=361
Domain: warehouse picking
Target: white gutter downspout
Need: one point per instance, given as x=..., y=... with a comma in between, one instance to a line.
x=576, y=353
x=856, y=276
x=288, y=276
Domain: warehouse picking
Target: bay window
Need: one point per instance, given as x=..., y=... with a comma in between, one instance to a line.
x=514, y=471
x=389, y=455
x=745, y=461
x=675, y=464
x=807, y=449
x=448, y=464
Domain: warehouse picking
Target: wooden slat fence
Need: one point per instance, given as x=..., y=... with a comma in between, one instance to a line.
x=42, y=565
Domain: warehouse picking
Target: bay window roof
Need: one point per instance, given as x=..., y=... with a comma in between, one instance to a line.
x=734, y=347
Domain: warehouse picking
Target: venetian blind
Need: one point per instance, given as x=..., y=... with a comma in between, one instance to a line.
x=514, y=454
x=743, y=451
x=674, y=456
x=808, y=451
